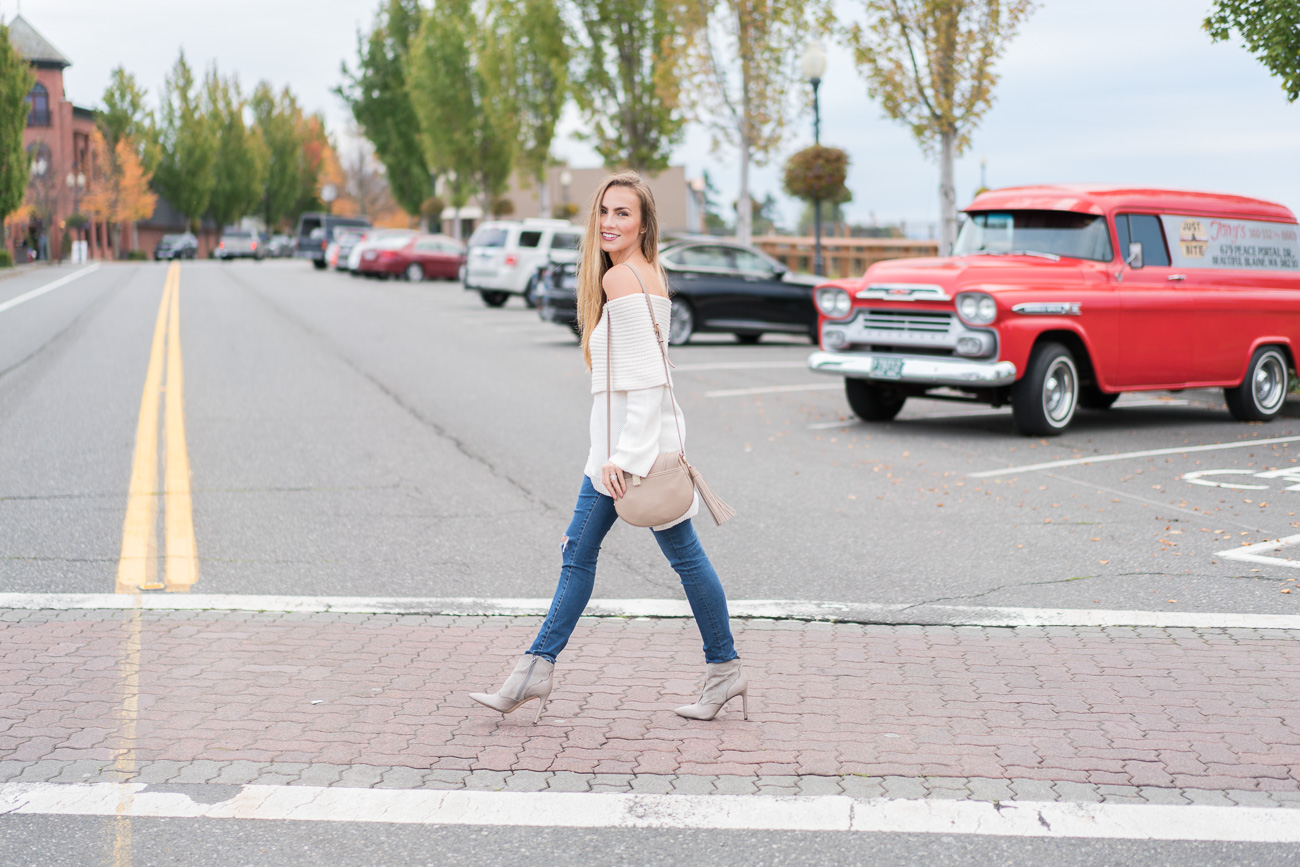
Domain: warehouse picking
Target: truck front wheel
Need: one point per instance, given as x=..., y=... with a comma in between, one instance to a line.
x=871, y=402
x=1262, y=393
x=1043, y=401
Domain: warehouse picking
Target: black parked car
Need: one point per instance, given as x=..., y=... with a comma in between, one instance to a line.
x=181, y=246
x=716, y=286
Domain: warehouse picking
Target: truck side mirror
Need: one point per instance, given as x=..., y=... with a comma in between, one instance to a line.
x=1134, y=259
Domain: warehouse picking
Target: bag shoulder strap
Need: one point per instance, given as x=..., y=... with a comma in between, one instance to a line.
x=663, y=353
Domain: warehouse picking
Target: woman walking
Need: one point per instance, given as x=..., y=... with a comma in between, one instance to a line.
x=622, y=298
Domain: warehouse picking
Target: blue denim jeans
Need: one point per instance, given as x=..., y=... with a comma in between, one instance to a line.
x=592, y=519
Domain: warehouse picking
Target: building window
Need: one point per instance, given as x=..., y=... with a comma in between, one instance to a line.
x=38, y=106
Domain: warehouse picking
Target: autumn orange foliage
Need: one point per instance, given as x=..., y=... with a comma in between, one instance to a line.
x=119, y=190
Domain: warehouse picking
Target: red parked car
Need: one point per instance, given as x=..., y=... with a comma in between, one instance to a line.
x=1057, y=297
x=419, y=257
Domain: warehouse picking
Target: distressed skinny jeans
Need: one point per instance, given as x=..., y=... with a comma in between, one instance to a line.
x=592, y=519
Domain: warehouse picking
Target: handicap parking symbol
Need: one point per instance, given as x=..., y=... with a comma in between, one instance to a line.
x=1223, y=479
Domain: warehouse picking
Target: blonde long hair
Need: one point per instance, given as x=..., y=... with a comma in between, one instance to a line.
x=594, y=262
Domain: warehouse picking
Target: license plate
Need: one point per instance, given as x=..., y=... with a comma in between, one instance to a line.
x=887, y=368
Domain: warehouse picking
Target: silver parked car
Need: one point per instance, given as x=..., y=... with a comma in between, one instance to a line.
x=238, y=244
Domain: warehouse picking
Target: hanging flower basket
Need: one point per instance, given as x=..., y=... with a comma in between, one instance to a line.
x=818, y=174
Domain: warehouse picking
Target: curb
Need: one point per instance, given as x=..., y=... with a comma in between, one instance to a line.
x=785, y=610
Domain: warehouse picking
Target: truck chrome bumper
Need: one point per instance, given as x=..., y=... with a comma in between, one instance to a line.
x=920, y=370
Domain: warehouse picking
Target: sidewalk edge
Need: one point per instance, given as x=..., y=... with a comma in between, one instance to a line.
x=742, y=609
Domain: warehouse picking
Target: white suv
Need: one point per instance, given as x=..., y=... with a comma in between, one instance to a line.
x=504, y=256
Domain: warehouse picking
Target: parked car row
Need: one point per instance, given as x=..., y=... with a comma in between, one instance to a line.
x=234, y=244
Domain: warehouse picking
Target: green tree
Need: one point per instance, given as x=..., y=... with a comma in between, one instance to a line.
x=239, y=170
x=541, y=84
x=381, y=102
x=277, y=120
x=1271, y=31
x=631, y=59
x=930, y=63
x=744, y=66
x=16, y=82
x=461, y=72
x=126, y=114
x=188, y=145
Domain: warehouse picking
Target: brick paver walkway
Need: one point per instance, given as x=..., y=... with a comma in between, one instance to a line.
x=330, y=699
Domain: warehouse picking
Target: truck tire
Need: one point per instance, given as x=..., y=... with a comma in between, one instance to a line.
x=1044, y=400
x=1262, y=392
x=871, y=402
x=492, y=298
x=318, y=264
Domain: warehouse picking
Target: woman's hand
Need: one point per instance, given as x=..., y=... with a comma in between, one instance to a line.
x=612, y=478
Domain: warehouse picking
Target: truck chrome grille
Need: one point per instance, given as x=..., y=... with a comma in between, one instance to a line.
x=905, y=321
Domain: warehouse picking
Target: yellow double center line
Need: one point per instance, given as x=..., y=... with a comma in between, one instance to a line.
x=164, y=382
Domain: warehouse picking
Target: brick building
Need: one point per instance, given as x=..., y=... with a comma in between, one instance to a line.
x=57, y=139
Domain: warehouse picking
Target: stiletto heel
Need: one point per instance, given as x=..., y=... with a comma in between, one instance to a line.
x=723, y=681
x=531, y=679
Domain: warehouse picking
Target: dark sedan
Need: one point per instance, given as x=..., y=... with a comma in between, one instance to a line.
x=716, y=286
x=179, y=246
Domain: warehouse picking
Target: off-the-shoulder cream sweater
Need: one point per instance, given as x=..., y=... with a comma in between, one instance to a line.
x=641, y=407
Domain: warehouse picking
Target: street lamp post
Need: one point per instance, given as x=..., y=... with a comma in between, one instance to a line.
x=39, y=166
x=814, y=64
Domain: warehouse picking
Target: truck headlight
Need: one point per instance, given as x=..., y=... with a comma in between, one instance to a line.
x=976, y=308
x=833, y=302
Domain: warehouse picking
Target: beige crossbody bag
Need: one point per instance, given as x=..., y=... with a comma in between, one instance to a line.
x=664, y=494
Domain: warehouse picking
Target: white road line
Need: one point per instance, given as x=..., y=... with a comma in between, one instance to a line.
x=48, y=287
x=1250, y=553
x=707, y=812
x=741, y=365
x=772, y=389
x=1100, y=459
x=740, y=609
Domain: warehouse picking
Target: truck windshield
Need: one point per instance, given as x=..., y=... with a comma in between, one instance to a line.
x=1055, y=233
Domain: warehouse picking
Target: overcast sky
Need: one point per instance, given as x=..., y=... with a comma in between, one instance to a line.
x=1124, y=91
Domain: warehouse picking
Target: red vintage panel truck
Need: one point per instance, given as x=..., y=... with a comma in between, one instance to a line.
x=1058, y=297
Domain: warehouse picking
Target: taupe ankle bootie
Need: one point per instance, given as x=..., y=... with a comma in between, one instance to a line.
x=530, y=680
x=722, y=682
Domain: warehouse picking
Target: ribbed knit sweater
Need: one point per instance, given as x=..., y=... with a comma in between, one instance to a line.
x=641, y=425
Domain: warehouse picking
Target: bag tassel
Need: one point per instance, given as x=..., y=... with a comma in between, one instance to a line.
x=721, y=512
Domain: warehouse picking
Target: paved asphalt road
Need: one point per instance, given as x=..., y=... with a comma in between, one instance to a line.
x=353, y=437
x=358, y=438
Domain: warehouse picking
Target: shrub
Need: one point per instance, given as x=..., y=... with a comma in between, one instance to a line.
x=137, y=256
x=818, y=174
x=432, y=208
x=6, y=259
